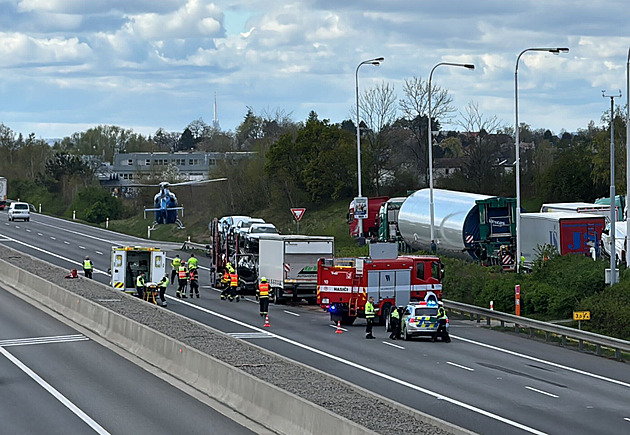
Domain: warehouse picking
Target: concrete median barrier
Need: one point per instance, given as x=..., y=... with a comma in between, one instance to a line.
x=279, y=410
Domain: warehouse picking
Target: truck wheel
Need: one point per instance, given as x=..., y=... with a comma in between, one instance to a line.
x=276, y=297
x=311, y=301
x=384, y=318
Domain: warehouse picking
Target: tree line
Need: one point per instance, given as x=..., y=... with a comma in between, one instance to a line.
x=311, y=162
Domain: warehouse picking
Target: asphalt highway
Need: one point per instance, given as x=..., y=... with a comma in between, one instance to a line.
x=56, y=380
x=485, y=381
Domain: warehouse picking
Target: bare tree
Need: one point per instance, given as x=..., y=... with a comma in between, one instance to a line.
x=416, y=100
x=378, y=107
x=473, y=121
x=414, y=106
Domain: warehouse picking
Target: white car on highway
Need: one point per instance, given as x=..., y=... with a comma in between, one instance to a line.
x=19, y=210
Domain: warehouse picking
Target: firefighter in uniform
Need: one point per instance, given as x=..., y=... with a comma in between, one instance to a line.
x=194, y=281
x=369, y=317
x=182, y=275
x=88, y=267
x=175, y=267
x=225, y=280
x=233, y=286
x=263, y=296
x=163, y=284
x=395, y=322
x=140, y=285
x=192, y=262
x=441, y=329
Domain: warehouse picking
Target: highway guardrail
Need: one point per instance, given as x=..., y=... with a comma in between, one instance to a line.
x=563, y=332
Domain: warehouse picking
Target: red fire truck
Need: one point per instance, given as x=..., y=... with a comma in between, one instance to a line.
x=345, y=284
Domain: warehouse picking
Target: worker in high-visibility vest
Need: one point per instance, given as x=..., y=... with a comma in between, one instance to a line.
x=233, y=287
x=140, y=285
x=175, y=267
x=369, y=317
x=263, y=296
x=441, y=330
x=88, y=267
x=193, y=275
x=192, y=262
x=182, y=275
x=163, y=284
x=225, y=284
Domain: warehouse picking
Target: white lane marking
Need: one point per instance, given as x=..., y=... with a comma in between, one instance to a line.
x=99, y=252
x=6, y=223
x=53, y=238
x=248, y=335
x=81, y=247
x=335, y=326
x=89, y=235
x=393, y=345
x=43, y=340
x=56, y=394
x=28, y=231
x=542, y=361
x=66, y=242
x=39, y=234
x=17, y=226
x=626, y=418
x=80, y=264
x=370, y=371
x=293, y=314
x=541, y=392
x=460, y=366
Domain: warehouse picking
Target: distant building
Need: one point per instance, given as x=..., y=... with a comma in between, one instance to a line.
x=130, y=168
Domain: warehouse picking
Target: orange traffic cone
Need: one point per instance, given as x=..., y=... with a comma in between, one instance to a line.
x=338, y=331
x=266, y=325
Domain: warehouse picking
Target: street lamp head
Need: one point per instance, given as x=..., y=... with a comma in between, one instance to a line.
x=379, y=59
x=469, y=66
x=559, y=50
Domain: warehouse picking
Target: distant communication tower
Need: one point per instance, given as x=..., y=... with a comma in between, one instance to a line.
x=215, y=121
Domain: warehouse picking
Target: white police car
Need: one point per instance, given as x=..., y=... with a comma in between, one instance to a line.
x=420, y=319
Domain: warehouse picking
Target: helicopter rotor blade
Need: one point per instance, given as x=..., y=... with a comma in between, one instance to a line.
x=192, y=183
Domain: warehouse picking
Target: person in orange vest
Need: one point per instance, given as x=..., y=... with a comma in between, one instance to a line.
x=193, y=274
x=233, y=286
x=182, y=275
x=263, y=296
x=225, y=281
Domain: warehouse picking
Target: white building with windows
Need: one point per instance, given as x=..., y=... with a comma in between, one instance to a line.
x=129, y=168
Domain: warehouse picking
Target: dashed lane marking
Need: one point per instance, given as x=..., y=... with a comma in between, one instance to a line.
x=460, y=366
x=99, y=252
x=66, y=242
x=43, y=340
x=393, y=345
x=81, y=247
x=542, y=392
x=248, y=335
x=293, y=314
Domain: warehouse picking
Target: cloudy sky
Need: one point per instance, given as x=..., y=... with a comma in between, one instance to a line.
x=68, y=65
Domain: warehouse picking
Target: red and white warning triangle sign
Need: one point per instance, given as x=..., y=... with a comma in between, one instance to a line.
x=298, y=213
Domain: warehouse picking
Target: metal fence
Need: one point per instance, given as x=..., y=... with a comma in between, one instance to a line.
x=550, y=330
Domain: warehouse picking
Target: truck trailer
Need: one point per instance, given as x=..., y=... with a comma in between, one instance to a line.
x=289, y=262
x=569, y=233
x=370, y=223
x=481, y=225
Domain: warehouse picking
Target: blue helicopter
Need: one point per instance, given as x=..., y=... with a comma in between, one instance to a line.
x=165, y=205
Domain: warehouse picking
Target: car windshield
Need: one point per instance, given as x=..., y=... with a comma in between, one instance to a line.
x=269, y=230
x=21, y=206
x=426, y=311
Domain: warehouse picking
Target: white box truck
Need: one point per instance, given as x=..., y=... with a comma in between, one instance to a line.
x=289, y=262
x=3, y=192
x=570, y=233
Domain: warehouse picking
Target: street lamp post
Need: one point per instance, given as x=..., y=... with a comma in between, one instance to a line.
x=430, y=136
x=613, y=246
x=376, y=61
x=627, y=210
x=517, y=254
